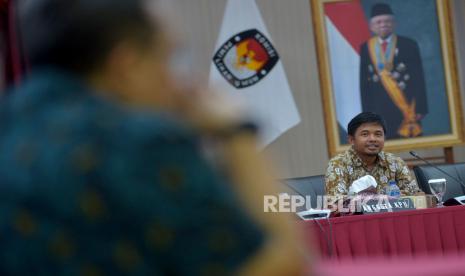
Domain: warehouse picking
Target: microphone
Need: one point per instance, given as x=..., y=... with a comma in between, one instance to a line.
x=414, y=154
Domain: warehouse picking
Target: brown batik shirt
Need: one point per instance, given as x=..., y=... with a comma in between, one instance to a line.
x=347, y=167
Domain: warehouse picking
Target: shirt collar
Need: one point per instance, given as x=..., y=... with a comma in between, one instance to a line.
x=381, y=160
x=388, y=39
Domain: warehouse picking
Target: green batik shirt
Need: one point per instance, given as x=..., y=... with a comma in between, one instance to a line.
x=91, y=187
x=347, y=167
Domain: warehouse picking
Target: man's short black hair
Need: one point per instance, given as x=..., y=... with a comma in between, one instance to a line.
x=78, y=34
x=362, y=118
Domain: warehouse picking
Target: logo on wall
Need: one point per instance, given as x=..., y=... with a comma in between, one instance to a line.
x=245, y=58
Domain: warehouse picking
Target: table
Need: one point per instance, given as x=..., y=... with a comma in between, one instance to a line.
x=433, y=231
x=414, y=266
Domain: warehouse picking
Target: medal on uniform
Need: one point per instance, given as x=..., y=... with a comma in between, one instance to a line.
x=401, y=67
x=402, y=85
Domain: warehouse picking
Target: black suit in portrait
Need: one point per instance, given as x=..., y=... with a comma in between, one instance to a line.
x=406, y=71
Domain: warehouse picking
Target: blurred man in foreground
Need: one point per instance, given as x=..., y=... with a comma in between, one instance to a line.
x=101, y=170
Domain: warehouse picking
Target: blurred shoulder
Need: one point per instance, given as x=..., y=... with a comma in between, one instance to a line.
x=153, y=127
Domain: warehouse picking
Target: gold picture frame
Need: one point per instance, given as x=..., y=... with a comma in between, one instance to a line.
x=443, y=124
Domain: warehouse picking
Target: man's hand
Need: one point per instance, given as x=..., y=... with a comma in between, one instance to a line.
x=209, y=112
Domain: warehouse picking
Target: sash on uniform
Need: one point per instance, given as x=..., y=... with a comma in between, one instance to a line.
x=383, y=63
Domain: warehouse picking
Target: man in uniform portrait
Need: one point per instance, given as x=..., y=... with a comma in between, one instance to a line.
x=391, y=76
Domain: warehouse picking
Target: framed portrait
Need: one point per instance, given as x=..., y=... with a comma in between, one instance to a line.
x=395, y=58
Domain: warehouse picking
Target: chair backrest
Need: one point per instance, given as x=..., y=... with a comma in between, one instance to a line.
x=311, y=186
x=425, y=172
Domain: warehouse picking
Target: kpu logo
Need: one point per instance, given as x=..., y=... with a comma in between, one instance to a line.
x=246, y=58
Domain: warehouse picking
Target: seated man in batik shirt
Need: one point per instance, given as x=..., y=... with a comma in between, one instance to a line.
x=366, y=157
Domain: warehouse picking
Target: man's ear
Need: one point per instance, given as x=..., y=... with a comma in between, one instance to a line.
x=116, y=72
x=371, y=26
x=121, y=59
x=351, y=139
